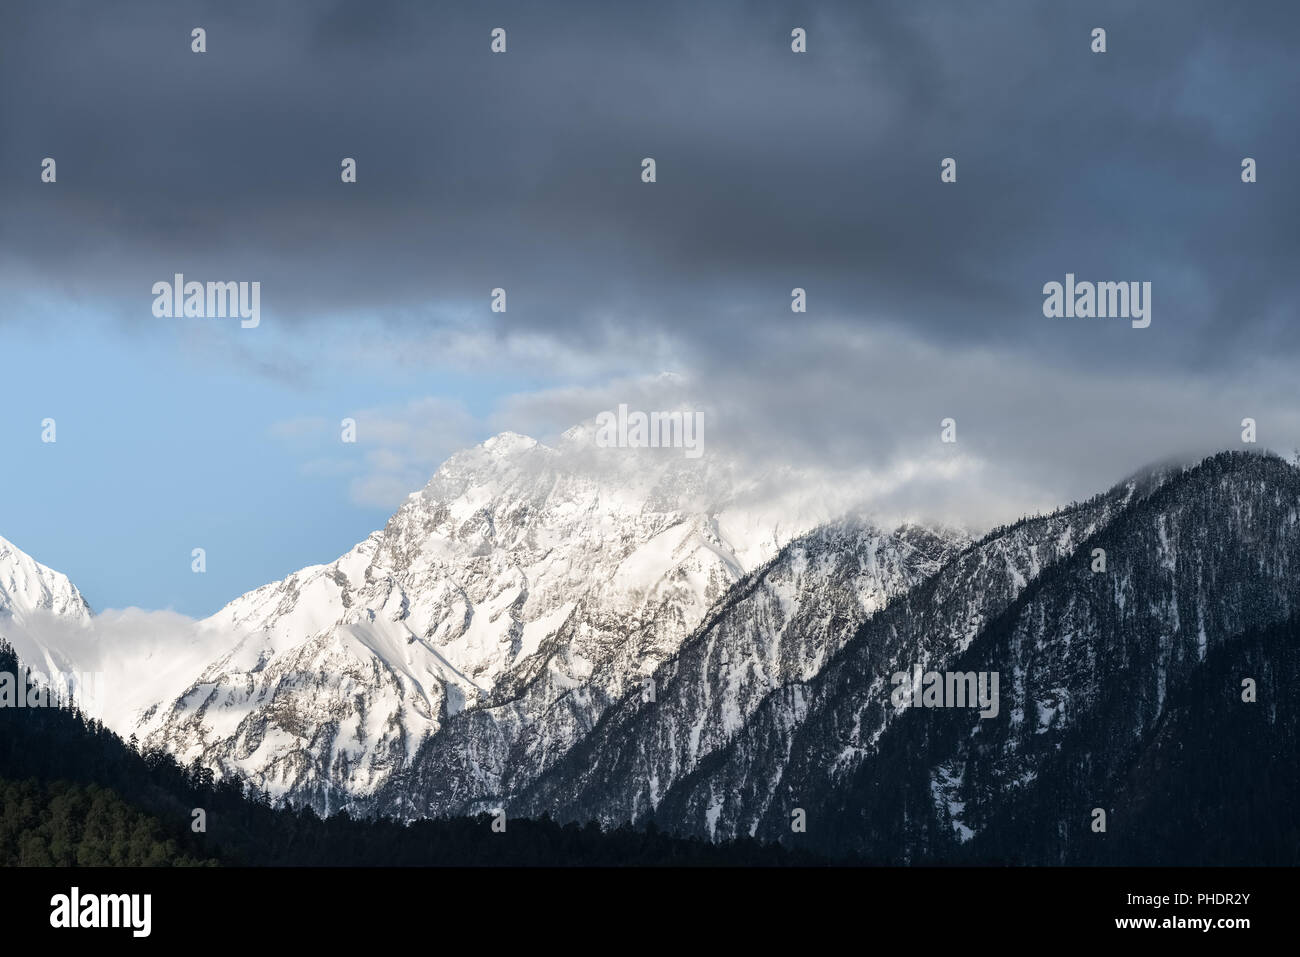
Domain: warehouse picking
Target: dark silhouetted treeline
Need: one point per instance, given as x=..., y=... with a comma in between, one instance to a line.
x=74, y=793
x=68, y=825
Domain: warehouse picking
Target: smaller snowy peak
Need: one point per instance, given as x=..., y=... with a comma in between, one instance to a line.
x=28, y=587
x=508, y=443
x=583, y=434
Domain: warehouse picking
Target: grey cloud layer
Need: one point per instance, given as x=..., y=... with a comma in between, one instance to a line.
x=775, y=171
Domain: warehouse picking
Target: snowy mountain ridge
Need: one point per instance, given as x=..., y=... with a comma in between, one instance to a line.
x=493, y=644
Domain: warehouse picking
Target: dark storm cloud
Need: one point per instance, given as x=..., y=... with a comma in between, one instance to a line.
x=775, y=170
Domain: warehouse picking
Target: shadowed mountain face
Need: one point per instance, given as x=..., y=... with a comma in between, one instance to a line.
x=1098, y=669
x=1103, y=676
x=535, y=634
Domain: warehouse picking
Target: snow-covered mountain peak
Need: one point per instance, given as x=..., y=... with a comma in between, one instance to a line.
x=506, y=443
x=27, y=587
x=519, y=577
